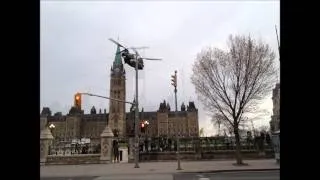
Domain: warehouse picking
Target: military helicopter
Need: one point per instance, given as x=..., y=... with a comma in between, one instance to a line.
x=130, y=58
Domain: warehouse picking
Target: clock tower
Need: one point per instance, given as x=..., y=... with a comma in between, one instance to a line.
x=117, y=110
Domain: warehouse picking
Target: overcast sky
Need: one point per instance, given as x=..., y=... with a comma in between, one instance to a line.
x=76, y=55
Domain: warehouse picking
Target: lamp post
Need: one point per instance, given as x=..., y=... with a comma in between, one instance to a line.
x=146, y=134
x=146, y=123
x=51, y=127
x=144, y=126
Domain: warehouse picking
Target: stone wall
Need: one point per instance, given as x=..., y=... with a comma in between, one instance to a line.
x=73, y=159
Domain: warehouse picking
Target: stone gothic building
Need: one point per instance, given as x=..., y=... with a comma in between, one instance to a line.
x=163, y=122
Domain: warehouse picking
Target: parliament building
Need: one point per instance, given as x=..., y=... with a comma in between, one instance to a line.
x=162, y=122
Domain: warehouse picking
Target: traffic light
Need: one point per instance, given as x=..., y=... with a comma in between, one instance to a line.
x=77, y=100
x=174, y=79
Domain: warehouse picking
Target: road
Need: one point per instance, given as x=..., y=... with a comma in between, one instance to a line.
x=117, y=177
x=244, y=175
x=68, y=178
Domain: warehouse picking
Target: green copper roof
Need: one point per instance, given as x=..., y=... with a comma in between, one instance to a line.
x=117, y=59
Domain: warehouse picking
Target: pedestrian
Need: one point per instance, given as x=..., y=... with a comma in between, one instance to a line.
x=116, y=151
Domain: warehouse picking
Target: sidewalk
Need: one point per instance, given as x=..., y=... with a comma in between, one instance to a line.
x=148, y=168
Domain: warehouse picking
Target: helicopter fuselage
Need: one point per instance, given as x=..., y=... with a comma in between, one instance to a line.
x=130, y=60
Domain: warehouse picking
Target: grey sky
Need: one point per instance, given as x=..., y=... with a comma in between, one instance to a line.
x=76, y=55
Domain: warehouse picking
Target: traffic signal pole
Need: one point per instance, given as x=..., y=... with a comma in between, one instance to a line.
x=174, y=83
x=113, y=99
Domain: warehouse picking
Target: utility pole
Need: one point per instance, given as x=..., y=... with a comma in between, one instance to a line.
x=278, y=51
x=136, y=159
x=278, y=42
x=279, y=66
x=174, y=84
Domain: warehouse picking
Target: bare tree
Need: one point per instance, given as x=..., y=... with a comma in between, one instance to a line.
x=231, y=83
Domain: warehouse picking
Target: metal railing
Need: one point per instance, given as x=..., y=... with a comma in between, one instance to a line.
x=164, y=144
x=74, y=149
x=196, y=144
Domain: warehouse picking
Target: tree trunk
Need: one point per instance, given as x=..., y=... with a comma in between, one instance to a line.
x=238, y=146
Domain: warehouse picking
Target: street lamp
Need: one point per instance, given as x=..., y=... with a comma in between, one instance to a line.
x=146, y=122
x=51, y=127
x=144, y=126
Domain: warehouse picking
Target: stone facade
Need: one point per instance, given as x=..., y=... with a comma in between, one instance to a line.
x=166, y=122
x=161, y=123
x=275, y=118
x=68, y=127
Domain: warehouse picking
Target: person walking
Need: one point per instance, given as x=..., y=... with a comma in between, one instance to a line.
x=116, y=151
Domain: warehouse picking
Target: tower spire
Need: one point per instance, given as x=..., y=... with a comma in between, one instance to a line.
x=117, y=59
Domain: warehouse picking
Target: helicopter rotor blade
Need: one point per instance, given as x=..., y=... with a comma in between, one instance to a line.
x=110, y=39
x=142, y=47
x=153, y=59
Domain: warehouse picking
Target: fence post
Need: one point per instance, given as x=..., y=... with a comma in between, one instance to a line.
x=45, y=141
x=106, y=145
x=131, y=149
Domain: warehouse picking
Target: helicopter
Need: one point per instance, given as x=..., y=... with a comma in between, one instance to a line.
x=130, y=58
